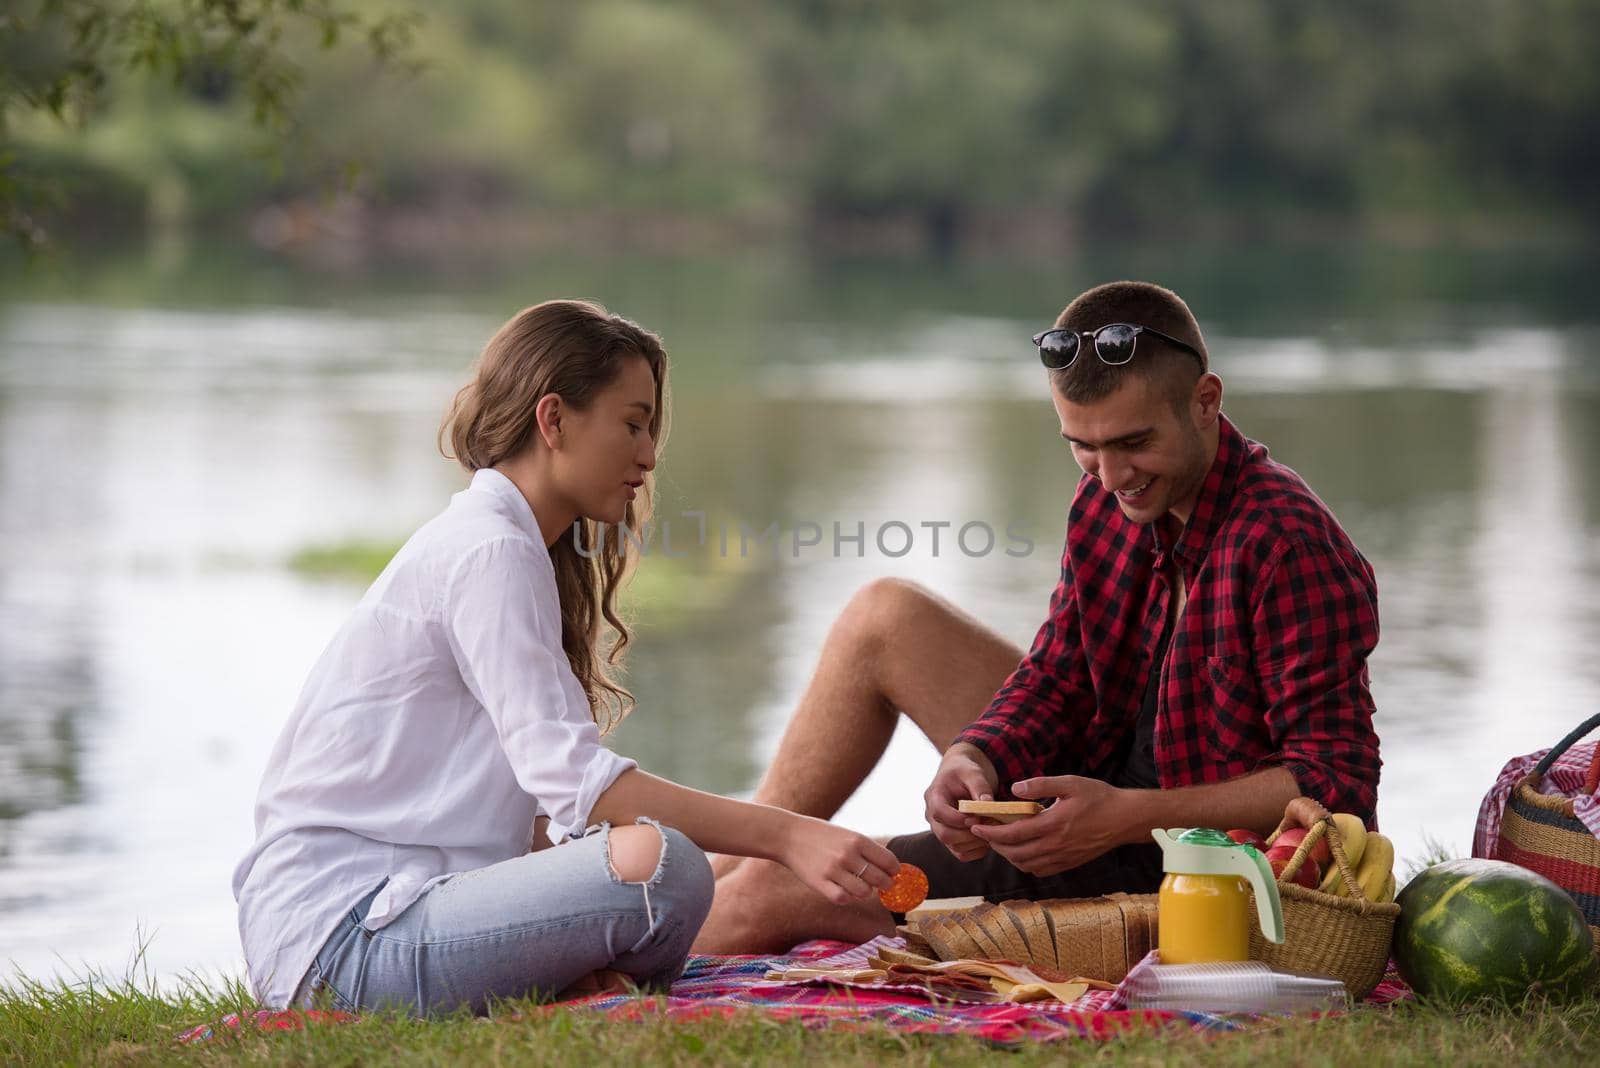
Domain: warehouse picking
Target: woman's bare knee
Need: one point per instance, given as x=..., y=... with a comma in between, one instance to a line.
x=635, y=852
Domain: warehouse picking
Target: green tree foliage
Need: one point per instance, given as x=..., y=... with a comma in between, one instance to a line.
x=939, y=113
x=59, y=59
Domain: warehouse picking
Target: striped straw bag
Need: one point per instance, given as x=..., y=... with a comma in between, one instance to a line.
x=1540, y=833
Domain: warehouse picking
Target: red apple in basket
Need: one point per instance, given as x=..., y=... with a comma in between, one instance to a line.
x=1309, y=875
x=1292, y=837
x=1244, y=837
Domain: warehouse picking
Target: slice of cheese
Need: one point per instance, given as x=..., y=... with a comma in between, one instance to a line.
x=936, y=905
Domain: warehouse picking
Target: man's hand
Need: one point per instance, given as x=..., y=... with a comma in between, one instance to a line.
x=964, y=774
x=1087, y=818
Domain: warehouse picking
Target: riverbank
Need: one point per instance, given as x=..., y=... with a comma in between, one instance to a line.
x=346, y=229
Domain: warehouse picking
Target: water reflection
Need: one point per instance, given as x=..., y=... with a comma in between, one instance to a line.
x=48, y=678
x=157, y=467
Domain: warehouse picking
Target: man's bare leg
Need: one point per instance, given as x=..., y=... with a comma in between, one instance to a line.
x=895, y=648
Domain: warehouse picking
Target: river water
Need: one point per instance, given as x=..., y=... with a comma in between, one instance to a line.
x=174, y=431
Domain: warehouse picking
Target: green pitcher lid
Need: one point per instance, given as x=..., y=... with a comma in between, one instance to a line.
x=1208, y=851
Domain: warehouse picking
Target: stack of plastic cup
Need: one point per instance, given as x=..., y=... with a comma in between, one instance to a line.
x=1231, y=986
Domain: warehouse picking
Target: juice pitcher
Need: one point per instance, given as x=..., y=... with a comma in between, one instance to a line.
x=1205, y=903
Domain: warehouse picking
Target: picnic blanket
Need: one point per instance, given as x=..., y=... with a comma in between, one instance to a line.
x=715, y=987
x=724, y=986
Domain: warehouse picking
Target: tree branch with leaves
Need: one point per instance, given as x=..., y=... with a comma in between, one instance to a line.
x=58, y=58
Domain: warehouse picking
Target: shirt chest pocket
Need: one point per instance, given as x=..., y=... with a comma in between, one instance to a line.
x=1238, y=723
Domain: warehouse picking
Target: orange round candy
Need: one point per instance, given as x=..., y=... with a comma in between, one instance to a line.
x=910, y=889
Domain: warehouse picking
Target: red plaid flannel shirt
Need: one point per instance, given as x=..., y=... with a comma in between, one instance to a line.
x=1268, y=665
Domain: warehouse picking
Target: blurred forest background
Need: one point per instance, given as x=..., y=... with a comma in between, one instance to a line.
x=933, y=127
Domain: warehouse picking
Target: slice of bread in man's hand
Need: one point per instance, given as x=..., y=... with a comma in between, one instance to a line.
x=1000, y=811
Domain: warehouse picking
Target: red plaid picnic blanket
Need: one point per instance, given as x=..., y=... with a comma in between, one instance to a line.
x=725, y=986
x=714, y=987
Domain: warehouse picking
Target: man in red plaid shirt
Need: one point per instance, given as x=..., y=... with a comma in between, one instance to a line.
x=1203, y=662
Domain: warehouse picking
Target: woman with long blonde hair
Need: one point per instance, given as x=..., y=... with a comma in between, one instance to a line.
x=463, y=702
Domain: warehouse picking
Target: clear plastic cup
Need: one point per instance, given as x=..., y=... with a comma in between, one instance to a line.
x=1231, y=986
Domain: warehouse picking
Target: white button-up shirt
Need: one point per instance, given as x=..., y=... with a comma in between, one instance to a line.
x=440, y=720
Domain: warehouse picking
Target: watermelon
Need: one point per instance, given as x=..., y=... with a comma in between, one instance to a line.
x=1471, y=929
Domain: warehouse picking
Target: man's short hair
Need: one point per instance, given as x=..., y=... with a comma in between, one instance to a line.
x=1141, y=304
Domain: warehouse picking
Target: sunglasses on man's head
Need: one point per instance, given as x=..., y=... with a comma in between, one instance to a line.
x=1113, y=343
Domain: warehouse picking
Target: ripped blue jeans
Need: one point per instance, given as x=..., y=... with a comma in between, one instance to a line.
x=532, y=925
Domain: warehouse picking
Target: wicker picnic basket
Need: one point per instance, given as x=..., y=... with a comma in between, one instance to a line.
x=1539, y=831
x=1344, y=938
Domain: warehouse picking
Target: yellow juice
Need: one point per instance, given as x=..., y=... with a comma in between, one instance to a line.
x=1204, y=918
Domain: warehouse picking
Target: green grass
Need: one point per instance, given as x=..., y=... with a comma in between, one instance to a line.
x=1433, y=852
x=664, y=591
x=348, y=561
x=129, y=1024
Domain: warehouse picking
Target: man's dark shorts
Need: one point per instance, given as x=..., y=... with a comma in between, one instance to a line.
x=1135, y=869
